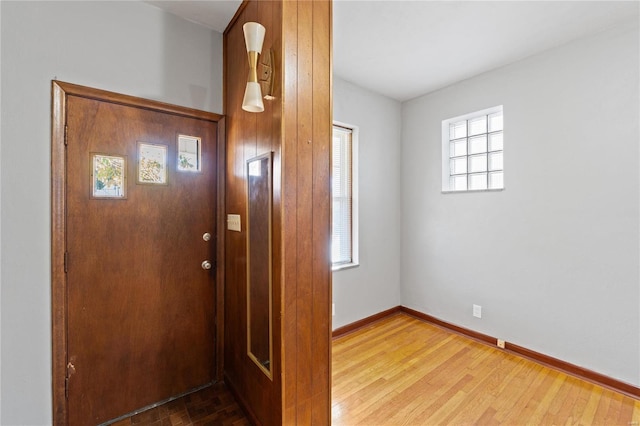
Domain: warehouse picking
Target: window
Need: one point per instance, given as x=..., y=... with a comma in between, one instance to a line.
x=472, y=152
x=344, y=245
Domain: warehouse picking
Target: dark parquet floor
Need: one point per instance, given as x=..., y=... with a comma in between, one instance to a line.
x=210, y=406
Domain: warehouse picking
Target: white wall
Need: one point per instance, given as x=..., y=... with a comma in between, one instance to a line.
x=374, y=285
x=126, y=47
x=554, y=258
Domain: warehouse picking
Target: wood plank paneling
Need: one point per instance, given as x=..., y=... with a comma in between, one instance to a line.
x=246, y=132
x=289, y=204
x=296, y=126
x=307, y=281
x=304, y=214
x=321, y=293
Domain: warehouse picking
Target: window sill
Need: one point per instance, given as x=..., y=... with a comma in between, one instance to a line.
x=344, y=266
x=472, y=190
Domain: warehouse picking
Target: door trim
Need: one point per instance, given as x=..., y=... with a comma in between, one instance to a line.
x=59, y=93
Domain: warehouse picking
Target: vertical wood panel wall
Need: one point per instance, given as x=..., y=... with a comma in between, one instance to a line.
x=296, y=126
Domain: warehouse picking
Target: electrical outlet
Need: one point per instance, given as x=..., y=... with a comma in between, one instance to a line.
x=500, y=343
x=477, y=311
x=233, y=222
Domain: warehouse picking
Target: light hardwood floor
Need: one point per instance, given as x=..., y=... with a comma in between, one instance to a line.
x=403, y=371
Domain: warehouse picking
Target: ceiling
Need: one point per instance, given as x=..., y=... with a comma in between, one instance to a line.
x=215, y=14
x=403, y=49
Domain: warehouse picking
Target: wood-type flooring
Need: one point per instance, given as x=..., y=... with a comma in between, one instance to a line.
x=403, y=371
x=214, y=405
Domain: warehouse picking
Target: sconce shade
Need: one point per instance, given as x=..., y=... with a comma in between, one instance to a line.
x=253, y=36
x=252, y=101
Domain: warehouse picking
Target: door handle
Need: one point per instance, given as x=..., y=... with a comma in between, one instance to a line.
x=206, y=265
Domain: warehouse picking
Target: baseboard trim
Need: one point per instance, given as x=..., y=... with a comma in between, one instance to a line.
x=576, y=371
x=246, y=408
x=451, y=327
x=557, y=364
x=350, y=328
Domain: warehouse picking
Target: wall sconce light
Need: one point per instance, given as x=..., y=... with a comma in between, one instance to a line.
x=254, y=37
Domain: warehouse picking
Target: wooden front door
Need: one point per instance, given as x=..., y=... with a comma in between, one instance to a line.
x=140, y=197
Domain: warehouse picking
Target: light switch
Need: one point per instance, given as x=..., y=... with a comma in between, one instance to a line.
x=233, y=222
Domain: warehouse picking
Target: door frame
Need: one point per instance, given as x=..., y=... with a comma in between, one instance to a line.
x=59, y=93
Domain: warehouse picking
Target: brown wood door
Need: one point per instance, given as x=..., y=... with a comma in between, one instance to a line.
x=141, y=307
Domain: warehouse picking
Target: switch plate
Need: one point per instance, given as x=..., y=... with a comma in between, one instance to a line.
x=477, y=311
x=233, y=222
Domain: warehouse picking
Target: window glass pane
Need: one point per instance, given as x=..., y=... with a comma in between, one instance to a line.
x=475, y=143
x=478, y=163
x=495, y=121
x=458, y=183
x=458, y=130
x=458, y=148
x=495, y=161
x=458, y=165
x=341, y=236
x=478, y=181
x=478, y=125
x=496, y=180
x=341, y=193
x=495, y=142
x=478, y=144
x=336, y=188
x=189, y=155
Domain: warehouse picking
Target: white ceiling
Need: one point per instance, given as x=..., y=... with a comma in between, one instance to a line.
x=403, y=49
x=215, y=14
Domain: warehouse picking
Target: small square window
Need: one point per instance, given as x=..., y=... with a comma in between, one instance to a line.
x=472, y=151
x=189, y=154
x=109, y=176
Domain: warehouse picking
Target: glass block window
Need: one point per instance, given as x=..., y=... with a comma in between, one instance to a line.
x=472, y=151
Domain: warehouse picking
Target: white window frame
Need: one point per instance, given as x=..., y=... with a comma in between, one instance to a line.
x=355, y=260
x=446, y=172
